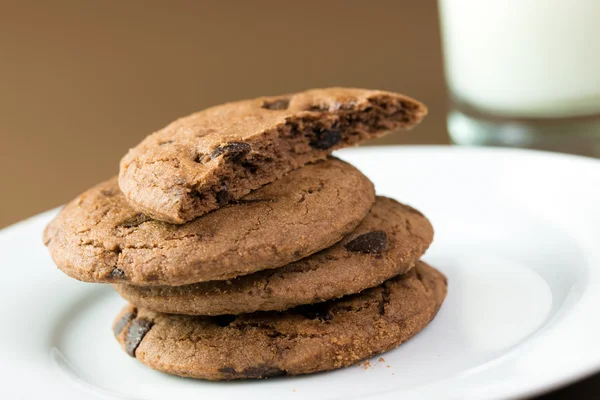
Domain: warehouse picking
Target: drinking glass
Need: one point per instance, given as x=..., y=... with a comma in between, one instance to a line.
x=523, y=73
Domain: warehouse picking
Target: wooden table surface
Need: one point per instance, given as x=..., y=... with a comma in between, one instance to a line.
x=81, y=82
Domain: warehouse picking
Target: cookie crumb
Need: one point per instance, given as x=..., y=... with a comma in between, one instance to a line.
x=294, y=390
x=381, y=359
x=367, y=365
x=388, y=366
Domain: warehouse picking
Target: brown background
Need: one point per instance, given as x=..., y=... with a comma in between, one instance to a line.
x=82, y=81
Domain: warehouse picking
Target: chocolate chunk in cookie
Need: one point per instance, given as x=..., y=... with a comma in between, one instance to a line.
x=371, y=242
x=233, y=150
x=277, y=104
x=136, y=332
x=326, y=138
x=122, y=323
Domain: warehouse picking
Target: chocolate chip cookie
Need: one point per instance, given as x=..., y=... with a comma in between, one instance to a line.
x=388, y=242
x=206, y=160
x=302, y=340
x=98, y=237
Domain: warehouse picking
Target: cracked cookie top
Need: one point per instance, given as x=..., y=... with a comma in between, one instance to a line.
x=301, y=340
x=388, y=242
x=214, y=157
x=98, y=237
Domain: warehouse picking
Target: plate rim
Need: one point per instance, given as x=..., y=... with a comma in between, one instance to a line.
x=584, y=369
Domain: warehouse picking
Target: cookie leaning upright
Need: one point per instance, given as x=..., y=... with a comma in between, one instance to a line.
x=208, y=159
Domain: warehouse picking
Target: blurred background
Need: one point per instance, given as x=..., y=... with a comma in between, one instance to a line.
x=83, y=81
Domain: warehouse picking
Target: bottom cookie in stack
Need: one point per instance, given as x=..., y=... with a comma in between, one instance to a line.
x=301, y=340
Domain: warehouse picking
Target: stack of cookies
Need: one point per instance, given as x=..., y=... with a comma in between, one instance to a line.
x=246, y=251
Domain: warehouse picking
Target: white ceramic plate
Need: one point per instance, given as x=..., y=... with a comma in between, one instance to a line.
x=517, y=233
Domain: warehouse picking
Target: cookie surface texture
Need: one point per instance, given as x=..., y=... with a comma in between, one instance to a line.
x=388, y=242
x=302, y=340
x=216, y=156
x=98, y=237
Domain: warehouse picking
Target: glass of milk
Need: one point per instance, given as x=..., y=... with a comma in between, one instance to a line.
x=523, y=73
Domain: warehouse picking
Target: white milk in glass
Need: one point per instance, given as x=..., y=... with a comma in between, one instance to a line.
x=523, y=58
